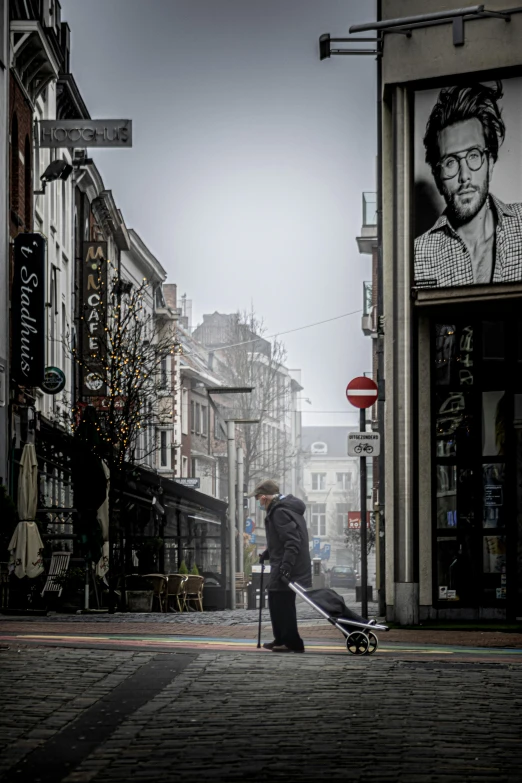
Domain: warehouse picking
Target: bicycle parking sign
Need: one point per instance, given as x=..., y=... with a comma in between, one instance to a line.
x=364, y=444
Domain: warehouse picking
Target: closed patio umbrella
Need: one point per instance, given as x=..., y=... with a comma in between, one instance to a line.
x=25, y=547
x=28, y=484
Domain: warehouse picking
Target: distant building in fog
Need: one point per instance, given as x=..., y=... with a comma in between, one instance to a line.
x=331, y=483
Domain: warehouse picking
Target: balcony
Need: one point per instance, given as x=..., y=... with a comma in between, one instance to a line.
x=367, y=241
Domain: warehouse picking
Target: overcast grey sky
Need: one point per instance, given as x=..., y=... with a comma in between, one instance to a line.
x=249, y=161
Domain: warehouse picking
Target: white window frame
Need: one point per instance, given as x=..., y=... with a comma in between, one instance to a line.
x=318, y=482
x=318, y=519
x=344, y=480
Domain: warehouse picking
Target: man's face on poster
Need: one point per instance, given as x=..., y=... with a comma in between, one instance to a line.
x=464, y=169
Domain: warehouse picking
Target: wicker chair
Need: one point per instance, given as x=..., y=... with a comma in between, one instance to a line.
x=194, y=591
x=176, y=589
x=159, y=584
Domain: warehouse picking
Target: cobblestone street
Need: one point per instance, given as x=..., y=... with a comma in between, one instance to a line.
x=78, y=715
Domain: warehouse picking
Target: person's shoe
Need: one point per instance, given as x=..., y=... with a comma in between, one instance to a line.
x=268, y=645
x=282, y=648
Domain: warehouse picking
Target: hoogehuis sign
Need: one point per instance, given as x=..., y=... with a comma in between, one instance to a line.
x=28, y=310
x=84, y=133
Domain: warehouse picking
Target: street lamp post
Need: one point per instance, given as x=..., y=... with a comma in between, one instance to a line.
x=230, y=432
x=231, y=454
x=240, y=504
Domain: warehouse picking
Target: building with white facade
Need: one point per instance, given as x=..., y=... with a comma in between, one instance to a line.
x=331, y=482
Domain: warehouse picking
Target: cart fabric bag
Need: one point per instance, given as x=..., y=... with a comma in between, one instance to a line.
x=333, y=604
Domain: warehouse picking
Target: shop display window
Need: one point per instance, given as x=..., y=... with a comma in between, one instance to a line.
x=493, y=475
x=446, y=496
x=453, y=355
x=477, y=451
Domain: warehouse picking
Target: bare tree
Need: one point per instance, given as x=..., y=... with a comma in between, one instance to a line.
x=129, y=366
x=250, y=360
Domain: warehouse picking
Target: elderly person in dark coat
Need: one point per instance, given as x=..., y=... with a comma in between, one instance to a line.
x=289, y=555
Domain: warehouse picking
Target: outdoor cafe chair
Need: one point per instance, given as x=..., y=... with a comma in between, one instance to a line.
x=194, y=591
x=241, y=590
x=159, y=585
x=176, y=590
x=57, y=570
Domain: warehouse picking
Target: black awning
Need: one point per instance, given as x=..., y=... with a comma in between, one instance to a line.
x=176, y=491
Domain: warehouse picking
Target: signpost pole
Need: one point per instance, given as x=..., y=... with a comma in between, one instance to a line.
x=364, y=556
x=231, y=444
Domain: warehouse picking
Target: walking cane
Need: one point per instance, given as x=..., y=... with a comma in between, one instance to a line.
x=260, y=605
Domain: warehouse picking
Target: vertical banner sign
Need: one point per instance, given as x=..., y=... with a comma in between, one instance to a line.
x=28, y=310
x=93, y=346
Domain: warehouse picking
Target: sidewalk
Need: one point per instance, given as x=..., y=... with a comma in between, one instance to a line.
x=242, y=624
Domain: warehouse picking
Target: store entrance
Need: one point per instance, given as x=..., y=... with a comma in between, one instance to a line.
x=477, y=462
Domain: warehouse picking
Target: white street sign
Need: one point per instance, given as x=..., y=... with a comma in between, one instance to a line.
x=364, y=444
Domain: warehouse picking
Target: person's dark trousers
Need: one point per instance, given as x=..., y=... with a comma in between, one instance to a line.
x=281, y=604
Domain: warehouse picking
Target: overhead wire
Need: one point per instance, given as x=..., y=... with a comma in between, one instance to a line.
x=290, y=331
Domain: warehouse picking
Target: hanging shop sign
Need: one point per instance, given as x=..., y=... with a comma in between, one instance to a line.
x=53, y=134
x=28, y=310
x=93, y=344
x=54, y=380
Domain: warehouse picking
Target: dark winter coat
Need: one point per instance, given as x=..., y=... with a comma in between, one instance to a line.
x=287, y=542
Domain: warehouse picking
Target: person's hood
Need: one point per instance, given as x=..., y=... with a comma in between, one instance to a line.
x=290, y=502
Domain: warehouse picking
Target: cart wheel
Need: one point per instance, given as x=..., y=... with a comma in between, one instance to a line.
x=357, y=643
x=373, y=643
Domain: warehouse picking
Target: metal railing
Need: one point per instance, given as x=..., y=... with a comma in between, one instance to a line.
x=369, y=209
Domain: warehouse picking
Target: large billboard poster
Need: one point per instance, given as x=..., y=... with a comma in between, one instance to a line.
x=468, y=185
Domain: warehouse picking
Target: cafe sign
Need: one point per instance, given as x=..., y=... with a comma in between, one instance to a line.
x=53, y=134
x=93, y=345
x=28, y=310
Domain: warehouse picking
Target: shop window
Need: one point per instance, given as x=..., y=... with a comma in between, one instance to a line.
x=457, y=576
x=454, y=357
x=454, y=424
x=493, y=340
x=493, y=494
x=494, y=554
x=446, y=496
x=493, y=423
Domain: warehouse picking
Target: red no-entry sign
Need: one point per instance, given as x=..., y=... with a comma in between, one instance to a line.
x=362, y=392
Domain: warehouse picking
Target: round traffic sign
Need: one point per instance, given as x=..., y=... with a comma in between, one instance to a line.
x=362, y=392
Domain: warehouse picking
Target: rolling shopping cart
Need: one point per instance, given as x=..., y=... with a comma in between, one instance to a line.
x=360, y=635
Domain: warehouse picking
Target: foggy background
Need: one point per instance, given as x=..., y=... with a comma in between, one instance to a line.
x=249, y=161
